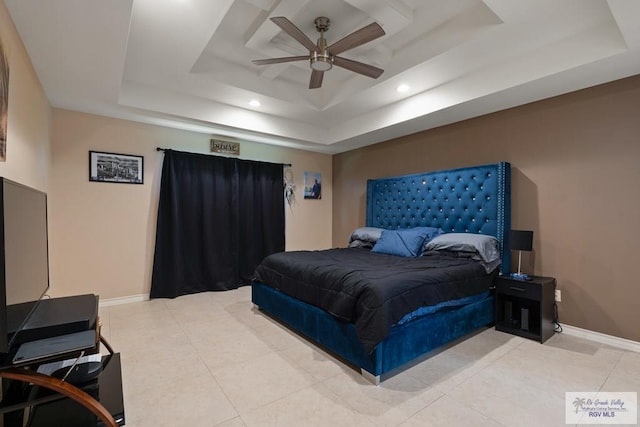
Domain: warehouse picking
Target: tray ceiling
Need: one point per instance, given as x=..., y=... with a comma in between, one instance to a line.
x=187, y=63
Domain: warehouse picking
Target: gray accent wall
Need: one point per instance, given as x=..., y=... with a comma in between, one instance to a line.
x=575, y=163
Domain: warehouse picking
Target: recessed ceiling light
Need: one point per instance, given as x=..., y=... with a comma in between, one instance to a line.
x=402, y=88
x=254, y=103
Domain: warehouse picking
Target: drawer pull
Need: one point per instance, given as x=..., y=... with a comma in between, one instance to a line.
x=516, y=289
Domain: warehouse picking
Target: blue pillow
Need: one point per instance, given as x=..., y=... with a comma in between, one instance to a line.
x=432, y=232
x=406, y=243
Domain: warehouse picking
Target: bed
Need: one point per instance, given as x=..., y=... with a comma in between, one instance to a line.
x=470, y=202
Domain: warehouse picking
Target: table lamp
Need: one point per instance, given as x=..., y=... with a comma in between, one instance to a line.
x=520, y=240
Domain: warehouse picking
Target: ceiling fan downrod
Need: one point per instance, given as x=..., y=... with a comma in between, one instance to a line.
x=322, y=60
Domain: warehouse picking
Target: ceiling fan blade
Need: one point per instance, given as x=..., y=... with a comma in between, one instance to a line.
x=295, y=32
x=357, y=38
x=279, y=60
x=358, y=67
x=316, y=79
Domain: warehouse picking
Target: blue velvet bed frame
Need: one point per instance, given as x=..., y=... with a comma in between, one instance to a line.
x=469, y=200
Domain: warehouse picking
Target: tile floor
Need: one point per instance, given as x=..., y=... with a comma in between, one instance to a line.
x=212, y=359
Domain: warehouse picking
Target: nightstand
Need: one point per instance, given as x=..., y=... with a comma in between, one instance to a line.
x=525, y=308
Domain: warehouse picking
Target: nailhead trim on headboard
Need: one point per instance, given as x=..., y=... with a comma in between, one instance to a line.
x=468, y=200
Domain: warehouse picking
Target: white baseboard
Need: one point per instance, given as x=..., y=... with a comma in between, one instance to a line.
x=123, y=300
x=602, y=338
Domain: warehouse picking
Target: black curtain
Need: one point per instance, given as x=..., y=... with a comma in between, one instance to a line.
x=218, y=217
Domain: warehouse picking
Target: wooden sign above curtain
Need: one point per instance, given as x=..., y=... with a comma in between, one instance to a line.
x=225, y=147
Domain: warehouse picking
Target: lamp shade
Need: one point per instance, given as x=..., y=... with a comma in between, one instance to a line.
x=520, y=240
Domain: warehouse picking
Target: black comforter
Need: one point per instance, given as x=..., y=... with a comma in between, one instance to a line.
x=372, y=290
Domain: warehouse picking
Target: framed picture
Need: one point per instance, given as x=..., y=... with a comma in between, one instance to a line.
x=111, y=167
x=312, y=185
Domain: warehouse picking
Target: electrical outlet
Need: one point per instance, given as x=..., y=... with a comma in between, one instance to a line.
x=558, y=295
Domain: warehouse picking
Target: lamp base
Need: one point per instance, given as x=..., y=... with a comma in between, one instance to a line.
x=520, y=276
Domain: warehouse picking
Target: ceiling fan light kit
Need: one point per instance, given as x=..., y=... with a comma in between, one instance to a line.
x=322, y=57
x=321, y=62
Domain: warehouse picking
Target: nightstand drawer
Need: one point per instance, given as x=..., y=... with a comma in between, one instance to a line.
x=518, y=288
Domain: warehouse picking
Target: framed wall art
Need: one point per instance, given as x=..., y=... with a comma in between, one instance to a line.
x=118, y=168
x=312, y=185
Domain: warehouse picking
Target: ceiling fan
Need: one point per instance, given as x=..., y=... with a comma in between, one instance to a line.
x=322, y=57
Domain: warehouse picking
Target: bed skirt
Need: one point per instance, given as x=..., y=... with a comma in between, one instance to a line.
x=403, y=344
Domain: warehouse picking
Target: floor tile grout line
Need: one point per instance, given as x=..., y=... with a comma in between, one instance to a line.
x=613, y=368
x=211, y=373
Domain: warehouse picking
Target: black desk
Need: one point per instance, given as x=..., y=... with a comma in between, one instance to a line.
x=46, y=407
x=58, y=410
x=97, y=402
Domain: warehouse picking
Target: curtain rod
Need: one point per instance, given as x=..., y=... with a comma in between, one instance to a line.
x=164, y=149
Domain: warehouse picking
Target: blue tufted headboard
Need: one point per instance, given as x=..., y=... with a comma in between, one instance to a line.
x=468, y=200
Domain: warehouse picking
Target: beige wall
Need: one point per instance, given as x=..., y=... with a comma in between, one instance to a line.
x=103, y=233
x=29, y=118
x=576, y=183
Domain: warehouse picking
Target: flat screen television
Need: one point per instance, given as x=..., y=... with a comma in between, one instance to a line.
x=24, y=257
